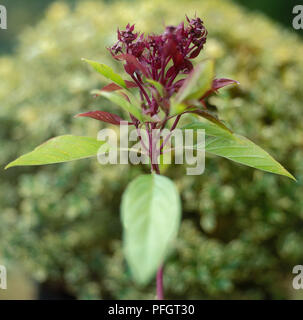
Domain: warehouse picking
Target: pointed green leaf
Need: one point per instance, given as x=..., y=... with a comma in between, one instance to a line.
x=237, y=148
x=244, y=151
x=60, y=149
x=121, y=101
x=197, y=83
x=107, y=72
x=151, y=214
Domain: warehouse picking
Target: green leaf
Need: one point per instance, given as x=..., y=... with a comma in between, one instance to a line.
x=178, y=108
x=238, y=149
x=151, y=214
x=244, y=151
x=60, y=149
x=107, y=72
x=121, y=101
x=210, y=117
x=210, y=128
x=197, y=83
x=157, y=85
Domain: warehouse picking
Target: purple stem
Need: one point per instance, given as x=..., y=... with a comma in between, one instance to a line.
x=142, y=90
x=160, y=291
x=171, y=129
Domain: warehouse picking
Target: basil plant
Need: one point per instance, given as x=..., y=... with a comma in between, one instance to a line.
x=163, y=86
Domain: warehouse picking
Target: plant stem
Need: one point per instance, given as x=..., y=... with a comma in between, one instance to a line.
x=142, y=90
x=168, y=136
x=159, y=278
x=160, y=291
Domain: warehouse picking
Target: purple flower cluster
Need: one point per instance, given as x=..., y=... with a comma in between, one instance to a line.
x=154, y=62
x=161, y=57
x=157, y=60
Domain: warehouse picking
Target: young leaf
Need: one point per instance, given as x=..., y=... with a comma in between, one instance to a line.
x=102, y=116
x=107, y=72
x=151, y=214
x=197, y=83
x=60, y=149
x=238, y=148
x=221, y=83
x=218, y=84
x=115, y=87
x=120, y=101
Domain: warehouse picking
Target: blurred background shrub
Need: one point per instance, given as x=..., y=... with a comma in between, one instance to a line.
x=26, y=13
x=242, y=229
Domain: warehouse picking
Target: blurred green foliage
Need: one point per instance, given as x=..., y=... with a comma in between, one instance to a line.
x=242, y=229
x=20, y=14
x=23, y=14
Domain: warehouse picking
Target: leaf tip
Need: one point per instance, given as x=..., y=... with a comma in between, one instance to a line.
x=289, y=175
x=9, y=166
